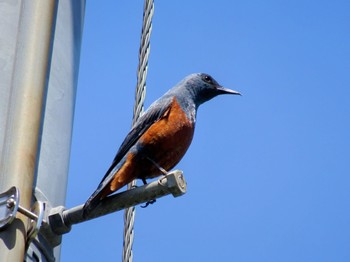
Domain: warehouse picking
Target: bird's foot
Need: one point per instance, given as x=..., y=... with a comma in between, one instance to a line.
x=150, y=202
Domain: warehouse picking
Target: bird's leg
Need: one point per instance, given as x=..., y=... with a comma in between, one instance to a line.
x=144, y=181
x=164, y=172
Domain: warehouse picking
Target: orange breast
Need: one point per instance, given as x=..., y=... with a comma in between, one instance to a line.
x=165, y=142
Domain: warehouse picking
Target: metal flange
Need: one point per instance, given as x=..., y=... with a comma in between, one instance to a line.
x=9, y=203
x=9, y=206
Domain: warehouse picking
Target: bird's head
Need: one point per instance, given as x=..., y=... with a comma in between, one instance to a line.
x=203, y=87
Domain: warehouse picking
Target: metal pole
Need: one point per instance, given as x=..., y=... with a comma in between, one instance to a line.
x=26, y=90
x=54, y=149
x=60, y=220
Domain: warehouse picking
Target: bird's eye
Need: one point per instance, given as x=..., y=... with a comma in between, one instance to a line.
x=208, y=79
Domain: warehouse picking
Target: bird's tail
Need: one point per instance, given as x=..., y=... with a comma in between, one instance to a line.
x=90, y=205
x=102, y=191
x=93, y=201
x=108, y=185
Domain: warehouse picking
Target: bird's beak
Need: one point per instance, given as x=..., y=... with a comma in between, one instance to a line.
x=224, y=90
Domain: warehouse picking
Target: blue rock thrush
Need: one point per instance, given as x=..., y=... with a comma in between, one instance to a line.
x=160, y=137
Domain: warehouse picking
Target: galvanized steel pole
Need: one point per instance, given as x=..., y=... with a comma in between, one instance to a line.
x=25, y=91
x=54, y=152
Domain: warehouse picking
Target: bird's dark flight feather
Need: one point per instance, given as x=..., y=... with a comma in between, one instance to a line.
x=152, y=115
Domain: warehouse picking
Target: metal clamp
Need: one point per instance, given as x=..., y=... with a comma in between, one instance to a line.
x=9, y=205
x=36, y=216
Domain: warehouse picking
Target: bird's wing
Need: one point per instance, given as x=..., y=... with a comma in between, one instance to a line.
x=155, y=112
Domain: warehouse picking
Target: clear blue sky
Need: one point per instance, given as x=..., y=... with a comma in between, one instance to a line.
x=268, y=173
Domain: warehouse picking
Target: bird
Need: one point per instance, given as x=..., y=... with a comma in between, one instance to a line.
x=160, y=137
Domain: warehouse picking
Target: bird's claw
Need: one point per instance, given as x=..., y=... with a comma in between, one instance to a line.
x=150, y=202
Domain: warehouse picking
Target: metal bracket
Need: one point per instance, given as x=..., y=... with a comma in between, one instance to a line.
x=61, y=219
x=9, y=205
x=8, y=209
x=56, y=221
x=37, y=218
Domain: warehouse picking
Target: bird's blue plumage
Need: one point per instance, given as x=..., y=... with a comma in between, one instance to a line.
x=167, y=125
